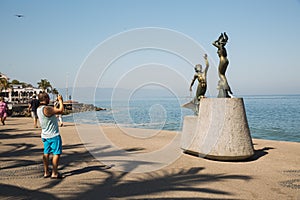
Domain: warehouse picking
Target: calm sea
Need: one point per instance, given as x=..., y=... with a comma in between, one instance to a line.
x=269, y=117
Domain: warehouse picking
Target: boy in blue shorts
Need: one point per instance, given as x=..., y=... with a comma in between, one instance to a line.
x=50, y=134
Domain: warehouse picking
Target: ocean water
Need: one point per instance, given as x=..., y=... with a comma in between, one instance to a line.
x=269, y=117
x=274, y=117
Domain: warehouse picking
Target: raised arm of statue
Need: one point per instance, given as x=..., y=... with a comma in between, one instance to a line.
x=221, y=41
x=206, y=63
x=225, y=37
x=215, y=43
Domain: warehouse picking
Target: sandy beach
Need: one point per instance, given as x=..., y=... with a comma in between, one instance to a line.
x=272, y=173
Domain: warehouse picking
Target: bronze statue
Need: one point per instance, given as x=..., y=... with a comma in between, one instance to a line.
x=201, y=76
x=223, y=86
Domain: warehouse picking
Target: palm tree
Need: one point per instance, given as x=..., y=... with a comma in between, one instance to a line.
x=54, y=92
x=4, y=83
x=3, y=76
x=16, y=82
x=45, y=85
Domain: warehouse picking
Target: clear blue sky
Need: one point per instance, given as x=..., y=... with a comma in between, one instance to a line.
x=53, y=38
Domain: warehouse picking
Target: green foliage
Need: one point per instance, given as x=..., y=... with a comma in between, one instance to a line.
x=4, y=84
x=15, y=82
x=45, y=85
x=55, y=91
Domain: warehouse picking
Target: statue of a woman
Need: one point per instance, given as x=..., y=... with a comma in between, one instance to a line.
x=223, y=86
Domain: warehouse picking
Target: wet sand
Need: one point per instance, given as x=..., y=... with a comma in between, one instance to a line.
x=123, y=169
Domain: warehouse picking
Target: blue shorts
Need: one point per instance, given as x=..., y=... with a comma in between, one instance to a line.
x=52, y=145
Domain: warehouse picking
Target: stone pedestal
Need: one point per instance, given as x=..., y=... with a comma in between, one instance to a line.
x=220, y=131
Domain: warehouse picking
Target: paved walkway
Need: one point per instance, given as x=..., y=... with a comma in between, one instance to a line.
x=273, y=173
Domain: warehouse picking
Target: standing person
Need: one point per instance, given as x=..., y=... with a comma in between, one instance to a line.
x=50, y=134
x=3, y=110
x=59, y=116
x=33, y=105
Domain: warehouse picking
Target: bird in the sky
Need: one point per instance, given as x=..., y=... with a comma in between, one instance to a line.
x=19, y=15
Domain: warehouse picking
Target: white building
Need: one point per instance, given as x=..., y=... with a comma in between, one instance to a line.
x=17, y=94
x=22, y=95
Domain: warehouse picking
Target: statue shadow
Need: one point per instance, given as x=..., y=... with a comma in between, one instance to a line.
x=258, y=153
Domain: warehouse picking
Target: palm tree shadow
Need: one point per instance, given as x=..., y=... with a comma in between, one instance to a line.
x=116, y=185
x=15, y=192
x=176, y=180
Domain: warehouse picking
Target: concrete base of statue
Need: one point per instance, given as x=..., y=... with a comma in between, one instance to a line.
x=220, y=131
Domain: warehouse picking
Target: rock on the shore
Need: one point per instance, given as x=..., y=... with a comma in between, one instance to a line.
x=22, y=110
x=80, y=107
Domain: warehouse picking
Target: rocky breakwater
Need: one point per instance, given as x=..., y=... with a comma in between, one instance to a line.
x=21, y=110
x=75, y=107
